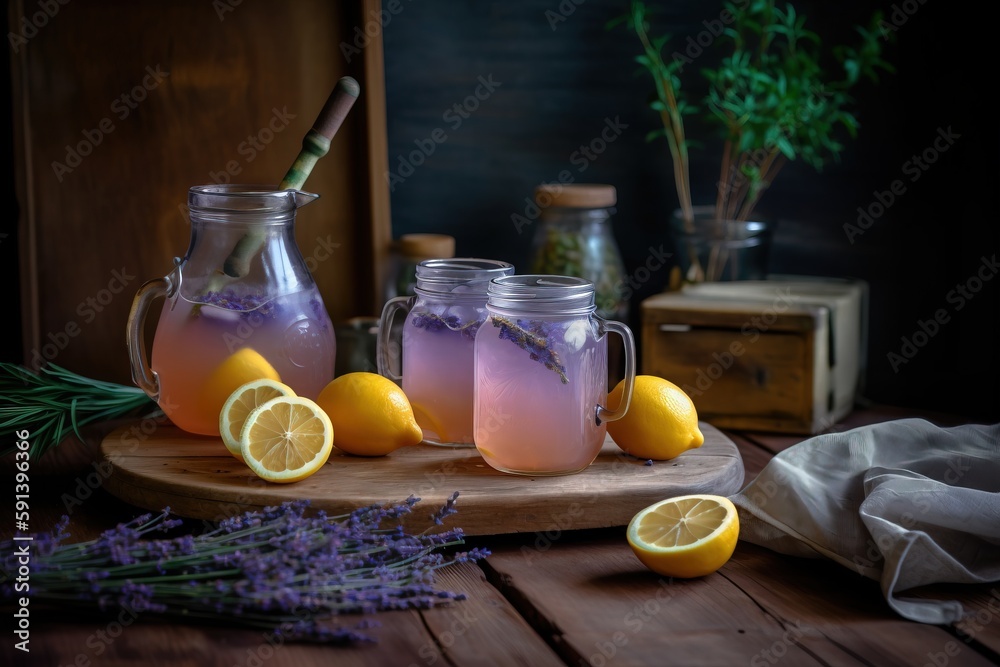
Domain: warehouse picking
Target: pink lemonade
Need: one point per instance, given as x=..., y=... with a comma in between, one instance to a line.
x=438, y=353
x=538, y=385
x=293, y=332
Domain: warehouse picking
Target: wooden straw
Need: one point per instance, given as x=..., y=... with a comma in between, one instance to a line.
x=315, y=145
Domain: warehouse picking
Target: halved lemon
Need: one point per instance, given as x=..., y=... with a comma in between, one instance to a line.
x=286, y=439
x=241, y=403
x=687, y=536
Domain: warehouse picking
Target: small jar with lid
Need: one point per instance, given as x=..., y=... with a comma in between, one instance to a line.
x=574, y=238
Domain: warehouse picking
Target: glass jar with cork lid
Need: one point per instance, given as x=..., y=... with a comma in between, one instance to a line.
x=574, y=238
x=408, y=251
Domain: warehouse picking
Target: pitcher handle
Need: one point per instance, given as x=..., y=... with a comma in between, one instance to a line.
x=384, y=339
x=144, y=376
x=603, y=413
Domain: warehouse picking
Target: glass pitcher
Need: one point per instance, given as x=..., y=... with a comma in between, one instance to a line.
x=541, y=375
x=240, y=305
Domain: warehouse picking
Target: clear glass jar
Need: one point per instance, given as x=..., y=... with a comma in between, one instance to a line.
x=541, y=376
x=713, y=250
x=241, y=304
x=437, y=343
x=574, y=238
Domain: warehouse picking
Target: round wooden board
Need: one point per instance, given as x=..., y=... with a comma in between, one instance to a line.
x=197, y=478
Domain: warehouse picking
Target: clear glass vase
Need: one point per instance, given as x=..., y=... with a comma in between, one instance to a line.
x=711, y=250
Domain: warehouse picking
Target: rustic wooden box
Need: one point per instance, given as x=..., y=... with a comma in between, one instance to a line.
x=139, y=101
x=783, y=355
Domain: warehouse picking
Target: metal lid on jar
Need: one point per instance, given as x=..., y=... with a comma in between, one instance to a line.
x=576, y=195
x=459, y=275
x=555, y=295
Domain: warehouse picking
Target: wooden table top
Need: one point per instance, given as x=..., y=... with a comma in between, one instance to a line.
x=575, y=597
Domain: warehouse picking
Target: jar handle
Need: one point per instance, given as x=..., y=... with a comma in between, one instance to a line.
x=603, y=413
x=144, y=377
x=383, y=341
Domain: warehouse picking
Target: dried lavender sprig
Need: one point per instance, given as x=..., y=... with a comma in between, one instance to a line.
x=262, y=568
x=536, y=343
x=433, y=322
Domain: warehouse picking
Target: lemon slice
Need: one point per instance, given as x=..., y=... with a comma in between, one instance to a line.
x=241, y=403
x=686, y=536
x=286, y=439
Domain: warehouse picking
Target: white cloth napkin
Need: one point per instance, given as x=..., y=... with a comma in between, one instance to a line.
x=904, y=502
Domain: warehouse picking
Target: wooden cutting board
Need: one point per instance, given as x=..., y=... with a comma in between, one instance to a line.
x=197, y=478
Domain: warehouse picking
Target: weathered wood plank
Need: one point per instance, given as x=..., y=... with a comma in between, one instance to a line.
x=602, y=604
x=483, y=629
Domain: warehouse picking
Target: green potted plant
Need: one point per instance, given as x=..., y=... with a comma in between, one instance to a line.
x=773, y=101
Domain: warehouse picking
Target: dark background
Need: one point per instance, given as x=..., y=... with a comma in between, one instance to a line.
x=557, y=87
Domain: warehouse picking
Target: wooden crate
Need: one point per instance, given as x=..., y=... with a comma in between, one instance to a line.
x=775, y=356
x=153, y=98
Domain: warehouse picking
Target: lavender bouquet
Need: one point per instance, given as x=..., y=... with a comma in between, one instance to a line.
x=278, y=569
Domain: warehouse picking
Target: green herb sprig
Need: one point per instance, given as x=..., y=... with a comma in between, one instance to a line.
x=55, y=402
x=771, y=96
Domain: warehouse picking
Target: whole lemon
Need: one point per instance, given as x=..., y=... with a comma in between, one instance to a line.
x=370, y=414
x=661, y=422
x=244, y=365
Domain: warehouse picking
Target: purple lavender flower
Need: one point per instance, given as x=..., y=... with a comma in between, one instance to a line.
x=281, y=567
x=533, y=337
x=228, y=299
x=431, y=322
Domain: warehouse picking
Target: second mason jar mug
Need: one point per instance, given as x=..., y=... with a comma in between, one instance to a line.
x=437, y=343
x=541, y=375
